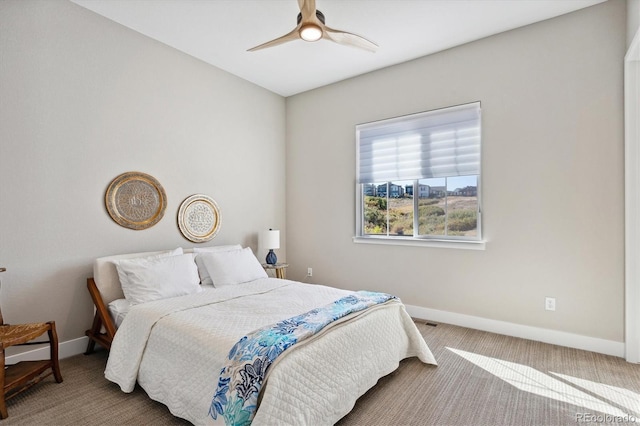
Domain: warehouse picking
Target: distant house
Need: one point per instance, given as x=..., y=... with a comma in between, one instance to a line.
x=467, y=191
x=438, y=191
x=395, y=191
x=423, y=190
x=370, y=189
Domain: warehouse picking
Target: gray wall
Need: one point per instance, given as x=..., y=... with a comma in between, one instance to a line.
x=552, y=102
x=633, y=19
x=83, y=99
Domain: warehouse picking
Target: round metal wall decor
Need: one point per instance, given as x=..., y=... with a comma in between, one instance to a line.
x=136, y=200
x=199, y=218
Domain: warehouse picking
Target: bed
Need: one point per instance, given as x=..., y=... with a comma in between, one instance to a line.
x=182, y=344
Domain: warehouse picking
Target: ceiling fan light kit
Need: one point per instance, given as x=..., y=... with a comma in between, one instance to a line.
x=311, y=27
x=310, y=32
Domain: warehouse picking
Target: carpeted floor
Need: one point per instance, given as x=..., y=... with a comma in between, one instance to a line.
x=482, y=379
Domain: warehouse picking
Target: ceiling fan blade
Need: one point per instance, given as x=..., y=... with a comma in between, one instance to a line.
x=348, y=39
x=293, y=35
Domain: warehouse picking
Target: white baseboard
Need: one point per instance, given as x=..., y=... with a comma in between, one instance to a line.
x=554, y=337
x=65, y=350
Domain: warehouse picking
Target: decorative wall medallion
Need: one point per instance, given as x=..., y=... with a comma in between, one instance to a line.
x=136, y=200
x=199, y=218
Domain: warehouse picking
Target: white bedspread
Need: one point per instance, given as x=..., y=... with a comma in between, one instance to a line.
x=175, y=349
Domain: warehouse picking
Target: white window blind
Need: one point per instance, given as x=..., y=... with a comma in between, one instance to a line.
x=433, y=144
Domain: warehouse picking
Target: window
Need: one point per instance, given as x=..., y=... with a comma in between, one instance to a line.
x=418, y=176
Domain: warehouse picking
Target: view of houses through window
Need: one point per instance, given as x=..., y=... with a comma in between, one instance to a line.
x=436, y=207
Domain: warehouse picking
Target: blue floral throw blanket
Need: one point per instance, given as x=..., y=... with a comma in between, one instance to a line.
x=236, y=398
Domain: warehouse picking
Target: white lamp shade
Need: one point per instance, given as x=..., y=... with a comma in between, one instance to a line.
x=270, y=239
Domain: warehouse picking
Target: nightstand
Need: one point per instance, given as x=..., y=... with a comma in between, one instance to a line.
x=279, y=268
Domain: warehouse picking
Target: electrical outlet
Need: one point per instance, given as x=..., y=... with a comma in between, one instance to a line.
x=309, y=272
x=549, y=303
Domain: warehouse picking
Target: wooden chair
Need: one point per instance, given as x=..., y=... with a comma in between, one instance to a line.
x=21, y=376
x=101, y=321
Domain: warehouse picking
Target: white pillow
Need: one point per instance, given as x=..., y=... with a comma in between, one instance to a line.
x=119, y=309
x=122, y=277
x=147, y=279
x=233, y=267
x=202, y=270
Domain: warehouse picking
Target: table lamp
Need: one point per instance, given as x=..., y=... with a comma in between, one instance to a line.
x=271, y=240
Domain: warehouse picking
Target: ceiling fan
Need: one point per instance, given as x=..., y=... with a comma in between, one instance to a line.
x=311, y=27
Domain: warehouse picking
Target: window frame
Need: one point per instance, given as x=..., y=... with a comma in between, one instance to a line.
x=460, y=242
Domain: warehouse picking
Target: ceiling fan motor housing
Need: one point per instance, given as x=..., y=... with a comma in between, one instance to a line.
x=319, y=15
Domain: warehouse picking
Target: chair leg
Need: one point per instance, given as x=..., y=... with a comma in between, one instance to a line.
x=3, y=406
x=53, y=339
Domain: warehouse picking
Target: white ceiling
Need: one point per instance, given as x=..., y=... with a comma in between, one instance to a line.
x=219, y=32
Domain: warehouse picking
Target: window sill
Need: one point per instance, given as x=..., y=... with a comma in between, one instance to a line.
x=399, y=241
